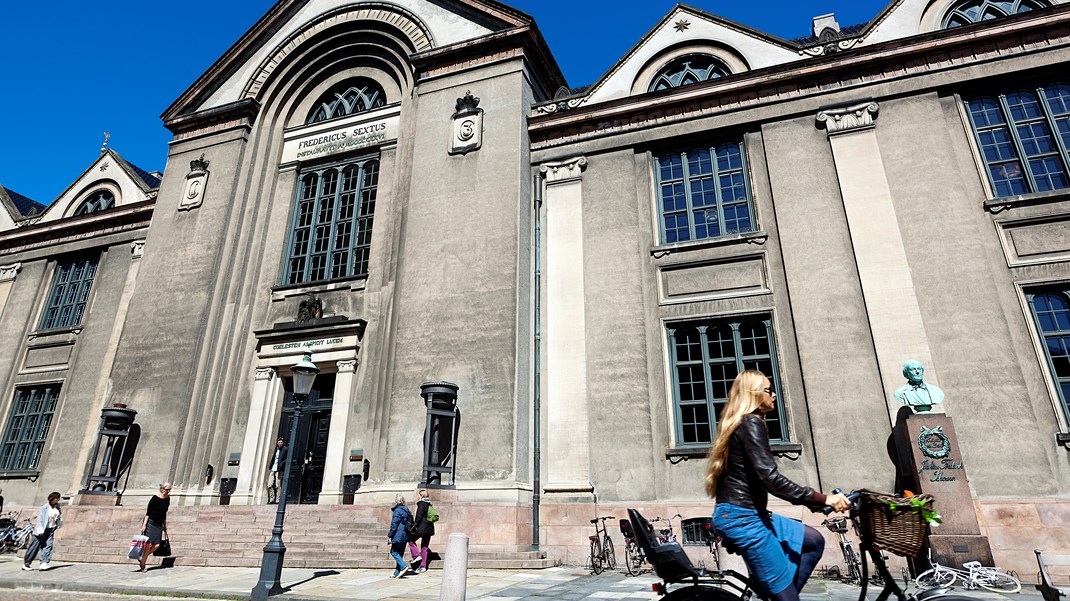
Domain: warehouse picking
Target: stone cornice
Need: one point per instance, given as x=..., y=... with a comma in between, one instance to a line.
x=242, y=112
x=861, y=66
x=518, y=41
x=50, y=233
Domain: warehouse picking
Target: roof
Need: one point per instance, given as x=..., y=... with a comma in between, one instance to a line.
x=26, y=207
x=845, y=32
x=151, y=179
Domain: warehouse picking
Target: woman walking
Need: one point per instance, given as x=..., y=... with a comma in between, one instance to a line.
x=424, y=531
x=398, y=535
x=49, y=519
x=780, y=553
x=154, y=525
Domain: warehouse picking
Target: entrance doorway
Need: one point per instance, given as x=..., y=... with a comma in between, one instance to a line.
x=310, y=446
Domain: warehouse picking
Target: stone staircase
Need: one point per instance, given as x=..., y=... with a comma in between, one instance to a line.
x=316, y=536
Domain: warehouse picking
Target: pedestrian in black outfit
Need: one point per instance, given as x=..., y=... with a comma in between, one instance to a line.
x=276, y=466
x=421, y=536
x=154, y=525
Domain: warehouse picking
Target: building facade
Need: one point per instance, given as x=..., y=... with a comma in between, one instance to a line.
x=411, y=191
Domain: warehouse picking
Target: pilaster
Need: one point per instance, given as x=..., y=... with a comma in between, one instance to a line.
x=341, y=409
x=252, y=469
x=895, y=320
x=8, y=273
x=567, y=449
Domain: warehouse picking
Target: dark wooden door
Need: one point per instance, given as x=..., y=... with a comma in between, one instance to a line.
x=309, y=451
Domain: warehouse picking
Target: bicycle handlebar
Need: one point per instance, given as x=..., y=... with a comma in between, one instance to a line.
x=851, y=497
x=603, y=518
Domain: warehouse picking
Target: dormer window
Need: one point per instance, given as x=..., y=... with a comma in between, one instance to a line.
x=975, y=11
x=687, y=70
x=97, y=201
x=351, y=97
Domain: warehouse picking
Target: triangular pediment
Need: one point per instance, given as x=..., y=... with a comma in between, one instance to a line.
x=683, y=30
x=294, y=26
x=111, y=173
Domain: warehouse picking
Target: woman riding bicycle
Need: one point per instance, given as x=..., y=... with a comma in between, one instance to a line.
x=780, y=553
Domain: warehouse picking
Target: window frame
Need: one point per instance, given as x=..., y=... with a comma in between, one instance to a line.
x=338, y=91
x=1048, y=118
x=34, y=463
x=954, y=10
x=90, y=203
x=689, y=210
x=56, y=299
x=1028, y=291
x=358, y=162
x=733, y=321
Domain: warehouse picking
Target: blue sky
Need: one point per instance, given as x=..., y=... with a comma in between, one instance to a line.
x=76, y=69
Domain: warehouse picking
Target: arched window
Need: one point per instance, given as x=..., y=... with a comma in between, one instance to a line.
x=975, y=11
x=348, y=98
x=687, y=70
x=97, y=201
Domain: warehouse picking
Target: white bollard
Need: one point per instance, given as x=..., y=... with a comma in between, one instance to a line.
x=455, y=568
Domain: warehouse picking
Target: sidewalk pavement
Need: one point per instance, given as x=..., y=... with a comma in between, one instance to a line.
x=561, y=583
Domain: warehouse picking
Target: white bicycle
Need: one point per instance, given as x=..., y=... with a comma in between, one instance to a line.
x=973, y=576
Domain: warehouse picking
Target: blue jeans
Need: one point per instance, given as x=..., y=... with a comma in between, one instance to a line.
x=397, y=551
x=41, y=543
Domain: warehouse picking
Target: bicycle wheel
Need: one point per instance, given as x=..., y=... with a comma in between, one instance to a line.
x=854, y=565
x=608, y=553
x=632, y=558
x=936, y=577
x=596, y=557
x=700, y=592
x=998, y=582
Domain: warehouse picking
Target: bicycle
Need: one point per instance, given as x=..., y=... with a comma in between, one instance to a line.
x=973, y=576
x=666, y=534
x=839, y=526
x=634, y=558
x=713, y=542
x=602, y=557
x=13, y=538
x=682, y=581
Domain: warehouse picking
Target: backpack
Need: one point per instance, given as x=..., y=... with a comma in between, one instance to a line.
x=410, y=526
x=432, y=515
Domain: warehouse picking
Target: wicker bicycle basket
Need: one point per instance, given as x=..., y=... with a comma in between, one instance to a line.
x=900, y=530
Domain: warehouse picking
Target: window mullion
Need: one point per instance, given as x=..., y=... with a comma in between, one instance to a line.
x=317, y=197
x=1012, y=129
x=707, y=377
x=658, y=196
x=685, y=167
x=333, y=230
x=722, y=228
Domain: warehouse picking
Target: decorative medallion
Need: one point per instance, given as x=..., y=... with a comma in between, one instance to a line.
x=681, y=25
x=196, y=182
x=934, y=443
x=467, y=134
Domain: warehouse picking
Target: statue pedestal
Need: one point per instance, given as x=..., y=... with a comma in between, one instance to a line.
x=928, y=447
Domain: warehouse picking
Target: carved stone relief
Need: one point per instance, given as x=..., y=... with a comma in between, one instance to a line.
x=8, y=272
x=196, y=182
x=851, y=118
x=466, y=132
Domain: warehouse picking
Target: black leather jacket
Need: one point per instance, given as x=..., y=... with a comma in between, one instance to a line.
x=751, y=474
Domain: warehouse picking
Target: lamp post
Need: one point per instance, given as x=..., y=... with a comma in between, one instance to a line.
x=304, y=374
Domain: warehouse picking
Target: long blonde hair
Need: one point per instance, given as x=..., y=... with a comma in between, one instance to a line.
x=743, y=398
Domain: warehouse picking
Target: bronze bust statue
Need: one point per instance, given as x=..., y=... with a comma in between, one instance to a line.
x=916, y=394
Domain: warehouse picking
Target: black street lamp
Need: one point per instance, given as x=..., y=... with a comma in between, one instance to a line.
x=304, y=374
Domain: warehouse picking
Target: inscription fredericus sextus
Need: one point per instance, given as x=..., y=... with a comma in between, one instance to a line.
x=939, y=468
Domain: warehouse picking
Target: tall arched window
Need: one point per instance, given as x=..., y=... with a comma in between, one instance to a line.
x=348, y=98
x=97, y=201
x=975, y=11
x=687, y=70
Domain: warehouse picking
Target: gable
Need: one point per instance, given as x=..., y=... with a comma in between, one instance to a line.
x=904, y=18
x=689, y=30
x=109, y=173
x=293, y=27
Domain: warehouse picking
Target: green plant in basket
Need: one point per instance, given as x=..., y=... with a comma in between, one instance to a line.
x=917, y=506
